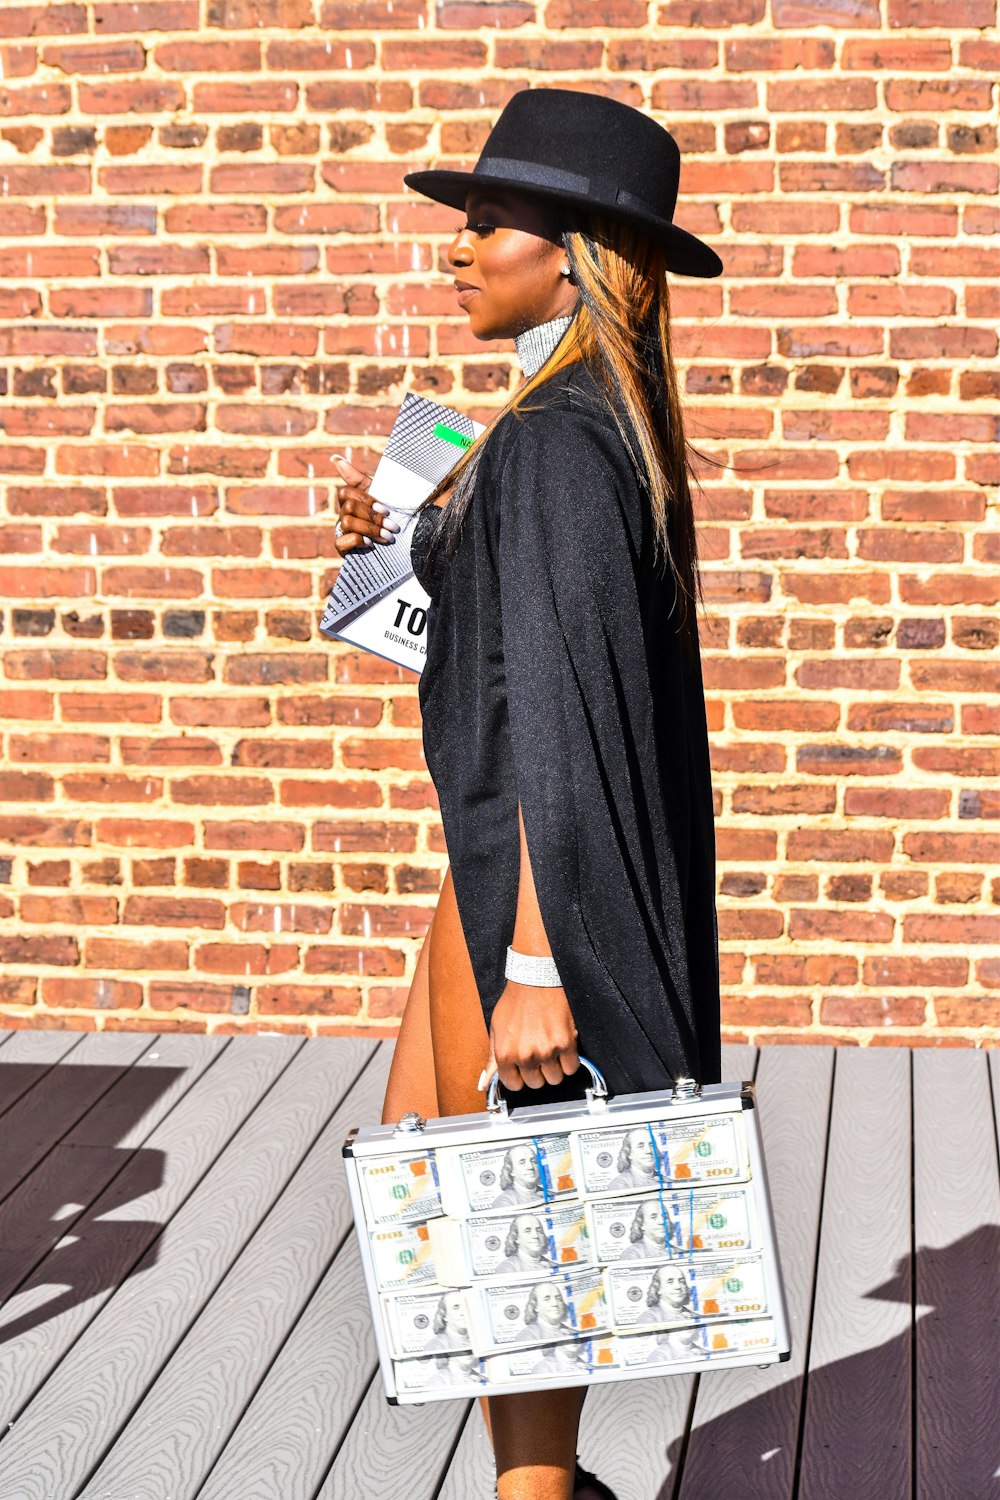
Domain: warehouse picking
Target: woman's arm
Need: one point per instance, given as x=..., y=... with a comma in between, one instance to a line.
x=532, y=1036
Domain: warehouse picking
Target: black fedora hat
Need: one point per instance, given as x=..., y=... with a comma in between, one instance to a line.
x=585, y=150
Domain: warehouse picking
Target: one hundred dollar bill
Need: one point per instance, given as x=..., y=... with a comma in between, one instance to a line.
x=402, y=1256
x=400, y=1190
x=437, y=1371
x=628, y=1351
x=697, y=1341
x=684, y=1291
x=435, y=1321
x=509, y=1175
x=658, y=1224
x=663, y=1153
x=551, y=1361
x=536, y=1242
x=516, y=1314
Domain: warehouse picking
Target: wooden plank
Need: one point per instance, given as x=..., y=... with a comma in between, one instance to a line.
x=394, y=1451
x=71, y=1285
x=739, y=1064
x=27, y=1057
x=144, y=1095
x=472, y=1470
x=613, y=1414
x=857, y=1435
x=202, y=1392
x=49, y=1203
x=46, y=1112
x=659, y=1408
x=744, y=1431
x=297, y=1420
x=70, y=1424
x=957, y=1233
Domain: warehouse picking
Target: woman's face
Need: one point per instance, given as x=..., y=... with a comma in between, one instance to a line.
x=454, y=1312
x=641, y=1152
x=550, y=1304
x=510, y=252
x=523, y=1167
x=530, y=1236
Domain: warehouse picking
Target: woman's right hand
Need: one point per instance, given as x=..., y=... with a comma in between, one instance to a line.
x=360, y=521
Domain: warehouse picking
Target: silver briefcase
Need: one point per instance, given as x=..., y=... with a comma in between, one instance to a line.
x=561, y=1244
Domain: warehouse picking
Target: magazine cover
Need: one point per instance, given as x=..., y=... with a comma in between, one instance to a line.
x=377, y=602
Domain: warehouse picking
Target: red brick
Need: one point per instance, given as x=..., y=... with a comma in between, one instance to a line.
x=48, y=948
x=843, y=452
x=60, y=991
x=938, y=13
x=869, y=1011
x=852, y=926
x=123, y=953
x=951, y=927
x=281, y=837
x=197, y=996
x=148, y=833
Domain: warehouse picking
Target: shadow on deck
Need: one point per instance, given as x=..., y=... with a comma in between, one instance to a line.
x=182, y=1312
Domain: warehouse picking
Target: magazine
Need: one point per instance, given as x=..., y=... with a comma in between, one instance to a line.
x=377, y=602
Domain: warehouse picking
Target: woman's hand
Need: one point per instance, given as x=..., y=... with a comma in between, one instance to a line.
x=360, y=520
x=532, y=1037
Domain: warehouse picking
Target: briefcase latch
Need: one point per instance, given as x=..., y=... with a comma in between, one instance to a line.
x=411, y=1123
x=685, y=1088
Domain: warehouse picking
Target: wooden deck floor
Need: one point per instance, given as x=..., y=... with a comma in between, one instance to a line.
x=183, y=1314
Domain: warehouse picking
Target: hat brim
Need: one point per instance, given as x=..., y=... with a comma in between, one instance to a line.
x=686, y=254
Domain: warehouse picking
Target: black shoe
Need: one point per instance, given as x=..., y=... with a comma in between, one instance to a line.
x=584, y=1480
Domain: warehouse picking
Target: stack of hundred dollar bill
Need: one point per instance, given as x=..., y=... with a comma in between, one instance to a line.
x=607, y=1248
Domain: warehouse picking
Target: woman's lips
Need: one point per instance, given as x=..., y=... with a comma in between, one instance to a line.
x=466, y=293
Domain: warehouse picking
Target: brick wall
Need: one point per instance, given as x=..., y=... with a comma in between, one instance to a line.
x=213, y=278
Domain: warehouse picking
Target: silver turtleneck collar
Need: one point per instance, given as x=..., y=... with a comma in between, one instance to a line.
x=534, y=345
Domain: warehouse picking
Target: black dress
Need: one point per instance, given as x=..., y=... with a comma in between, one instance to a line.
x=555, y=676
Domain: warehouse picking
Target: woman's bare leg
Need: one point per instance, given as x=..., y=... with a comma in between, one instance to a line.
x=534, y=1434
x=411, y=1075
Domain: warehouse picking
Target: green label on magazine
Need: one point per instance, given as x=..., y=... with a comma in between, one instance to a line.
x=450, y=435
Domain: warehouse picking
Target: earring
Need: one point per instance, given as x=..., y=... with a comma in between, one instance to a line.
x=565, y=270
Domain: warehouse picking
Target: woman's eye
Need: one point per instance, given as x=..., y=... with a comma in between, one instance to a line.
x=481, y=229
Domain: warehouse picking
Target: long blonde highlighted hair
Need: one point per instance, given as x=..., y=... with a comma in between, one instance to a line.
x=622, y=331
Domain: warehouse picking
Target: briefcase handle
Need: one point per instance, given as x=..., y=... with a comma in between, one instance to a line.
x=684, y=1090
x=596, y=1094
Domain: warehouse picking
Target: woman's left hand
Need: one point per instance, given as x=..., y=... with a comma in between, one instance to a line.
x=532, y=1037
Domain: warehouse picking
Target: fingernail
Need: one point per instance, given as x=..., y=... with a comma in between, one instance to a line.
x=482, y=1081
x=390, y=525
x=383, y=510
x=386, y=536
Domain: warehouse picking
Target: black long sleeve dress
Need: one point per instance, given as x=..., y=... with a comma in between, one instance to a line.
x=555, y=676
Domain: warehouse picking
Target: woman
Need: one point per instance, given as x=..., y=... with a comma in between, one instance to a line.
x=526, y=1247
x=563, y=709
